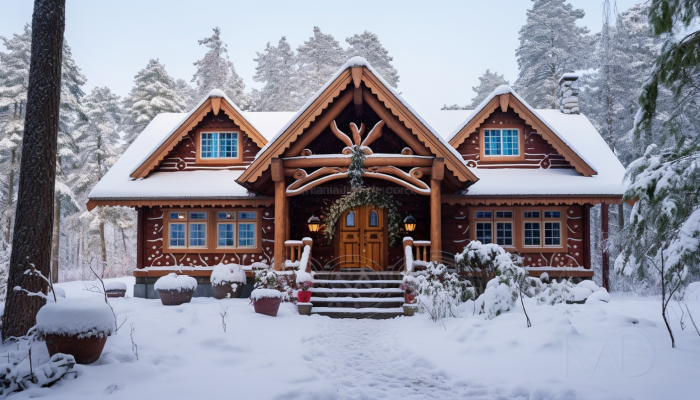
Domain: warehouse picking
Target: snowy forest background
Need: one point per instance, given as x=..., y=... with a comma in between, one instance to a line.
x=96, y=127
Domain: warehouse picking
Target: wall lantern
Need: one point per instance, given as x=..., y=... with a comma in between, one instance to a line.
x=410, y=223
x=314, y=223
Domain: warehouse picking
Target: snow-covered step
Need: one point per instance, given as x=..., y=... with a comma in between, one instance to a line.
x=357, y=299
x=381, y=281
x=356, y=290
x=318, y=310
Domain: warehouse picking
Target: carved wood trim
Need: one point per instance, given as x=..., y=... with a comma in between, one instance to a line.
x=296, y=128
x=254, y=202
x=529, y=200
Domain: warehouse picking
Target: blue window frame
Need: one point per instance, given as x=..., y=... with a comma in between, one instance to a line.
x=198, y=235
x=226, y=235
x=177, y=235
x=501, y=142
x=246, y=235
x=219, y=145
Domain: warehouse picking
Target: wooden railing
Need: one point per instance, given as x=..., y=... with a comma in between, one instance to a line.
x=294, y=251
x=415, y=250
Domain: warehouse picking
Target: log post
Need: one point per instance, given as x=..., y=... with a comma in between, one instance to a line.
x=438, y=173
x=603, y=240
x=586, y=236
x=280, y=213
x=140, y=228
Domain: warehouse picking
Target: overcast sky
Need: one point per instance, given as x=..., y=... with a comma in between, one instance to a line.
x=440, y=48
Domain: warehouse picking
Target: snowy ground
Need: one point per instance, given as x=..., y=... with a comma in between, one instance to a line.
x=570, y=352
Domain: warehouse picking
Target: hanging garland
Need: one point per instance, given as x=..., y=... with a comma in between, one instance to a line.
x=362, y=196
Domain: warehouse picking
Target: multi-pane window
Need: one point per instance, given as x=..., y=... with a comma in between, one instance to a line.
x=218, y=145
x=542, y=228
x=552, y=234
x=230, y=230
x=486, y=221
x=483, y=232
x=501, y=142
x=187, y=229
x=532, y=234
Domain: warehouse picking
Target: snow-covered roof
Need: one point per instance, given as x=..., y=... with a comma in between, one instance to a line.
x=118, y=184
x=268, y=123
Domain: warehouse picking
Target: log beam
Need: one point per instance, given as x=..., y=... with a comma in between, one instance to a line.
x=140, y=243
x=435, y=221
x=373, y=161
x=280, y=224
x=603, y=244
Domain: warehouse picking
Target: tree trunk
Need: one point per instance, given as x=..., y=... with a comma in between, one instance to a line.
x=31, y=241
x=10, y=196
x=55, y=241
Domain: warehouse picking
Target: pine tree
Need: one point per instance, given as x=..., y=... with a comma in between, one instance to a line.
x=368, y=46
x=551, y=44
x=14, y=76
x=317, y=59
x=662, y=247
x=154, y=92
x=31, y=242
x=216, y=71
x=625, y=55
x=488, y=82
x=187, y=93
x=277, y=69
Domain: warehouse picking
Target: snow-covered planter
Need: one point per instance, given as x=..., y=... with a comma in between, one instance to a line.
x=304, y=284
x=266, y=301
x=174, y=289
x=227, y=280
x=115, y=289
x=76, y=327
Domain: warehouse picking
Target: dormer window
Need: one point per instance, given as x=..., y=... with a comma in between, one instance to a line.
x=216, y=147
x=501, y=142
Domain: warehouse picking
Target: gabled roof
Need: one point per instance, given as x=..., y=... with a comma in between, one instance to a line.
x=324, y=98
x=504, y=97
x=215, y=101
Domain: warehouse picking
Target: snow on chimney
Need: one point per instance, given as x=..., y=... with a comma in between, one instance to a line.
x=568, y=94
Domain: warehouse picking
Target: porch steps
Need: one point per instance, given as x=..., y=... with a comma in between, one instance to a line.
x=358, y=294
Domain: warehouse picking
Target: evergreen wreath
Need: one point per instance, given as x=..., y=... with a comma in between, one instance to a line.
x=362, y=196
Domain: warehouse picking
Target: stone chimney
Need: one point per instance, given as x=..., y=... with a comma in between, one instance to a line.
x=568, y=94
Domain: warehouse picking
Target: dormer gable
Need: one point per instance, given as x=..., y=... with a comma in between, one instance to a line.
x=213, y=134
x=503, y=126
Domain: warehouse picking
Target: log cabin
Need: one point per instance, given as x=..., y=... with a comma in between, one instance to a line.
x=270, y=189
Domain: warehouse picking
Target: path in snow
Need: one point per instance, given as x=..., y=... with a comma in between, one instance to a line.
x=361, y=360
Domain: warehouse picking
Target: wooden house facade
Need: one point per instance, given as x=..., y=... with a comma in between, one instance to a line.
x=220, y=185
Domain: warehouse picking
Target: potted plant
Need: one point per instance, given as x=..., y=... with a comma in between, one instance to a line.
x=76, y=327
x=227, y=280
x=304, y=293
x=266, y=301
x=115, y=289
x=174, y=289
x=409, y=294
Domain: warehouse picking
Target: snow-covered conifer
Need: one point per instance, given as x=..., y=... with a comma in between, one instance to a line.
x=277, y=69
x=488, y=82
x=154, y=92
x=317, y=59
x=216, y=71
x=551, y=44
x=368, y=46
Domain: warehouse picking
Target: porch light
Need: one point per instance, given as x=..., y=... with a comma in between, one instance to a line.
x=410, y=223
x=314, y=223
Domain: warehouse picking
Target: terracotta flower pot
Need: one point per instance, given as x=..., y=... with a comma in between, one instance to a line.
x=304, y=297
x=115, y=292
x=85, y=350
x=267, y=305
x=409, y=298
x=175, y=297
x=225, y=290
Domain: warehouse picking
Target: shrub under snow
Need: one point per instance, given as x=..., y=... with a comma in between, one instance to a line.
x=439, y=292
x=84, y=318
x=176, y=282
x=227, y=273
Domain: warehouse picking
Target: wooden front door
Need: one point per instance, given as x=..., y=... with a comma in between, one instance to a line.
x=363, y=238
